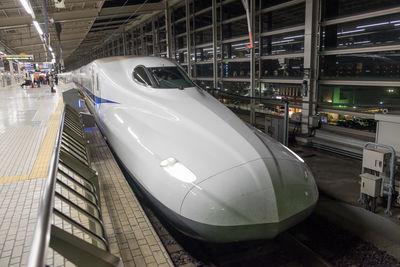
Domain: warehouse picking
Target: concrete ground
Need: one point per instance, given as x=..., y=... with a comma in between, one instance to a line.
x=338, y=182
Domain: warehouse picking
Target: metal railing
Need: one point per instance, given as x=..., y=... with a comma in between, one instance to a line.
x=71, y=184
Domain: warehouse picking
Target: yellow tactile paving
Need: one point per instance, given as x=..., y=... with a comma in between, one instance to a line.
x=42, y=161
x=17, y=178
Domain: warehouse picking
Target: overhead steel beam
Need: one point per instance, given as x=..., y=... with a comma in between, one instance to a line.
x=137, y=9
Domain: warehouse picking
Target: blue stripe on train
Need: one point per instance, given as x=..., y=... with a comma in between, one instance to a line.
x=96, y=99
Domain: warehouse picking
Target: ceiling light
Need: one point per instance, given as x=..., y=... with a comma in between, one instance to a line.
x=373, y=25
x=39, y=30
x=53, y=54
x=27, y=5
x=51, y=49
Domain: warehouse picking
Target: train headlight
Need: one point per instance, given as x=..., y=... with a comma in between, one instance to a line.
x=177, y=170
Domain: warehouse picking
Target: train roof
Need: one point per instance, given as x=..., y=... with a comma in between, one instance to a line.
x=133, y=61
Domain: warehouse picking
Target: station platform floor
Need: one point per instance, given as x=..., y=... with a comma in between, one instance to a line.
x=29, y=120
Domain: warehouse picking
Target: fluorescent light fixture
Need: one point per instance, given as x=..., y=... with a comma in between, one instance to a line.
x=283, y=41
x=241, y=44
x=27, y=6
x=296, y=36
x=1, y=53
x=362, y=42
x=373, y=25
x=177, y=170
x=397, y=24
x=51, y=49
x=53, y=55
x=395, y=21
x=346, y=32
x=37, y=26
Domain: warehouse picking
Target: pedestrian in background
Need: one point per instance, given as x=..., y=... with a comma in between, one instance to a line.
x=51, y=83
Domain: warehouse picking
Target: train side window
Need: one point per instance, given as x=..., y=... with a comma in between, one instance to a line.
x=140, y=75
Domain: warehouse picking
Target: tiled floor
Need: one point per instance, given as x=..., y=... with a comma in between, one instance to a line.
x=28, y=123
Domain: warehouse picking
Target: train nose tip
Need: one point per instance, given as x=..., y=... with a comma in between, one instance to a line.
x=246, y=203
x=234, y=199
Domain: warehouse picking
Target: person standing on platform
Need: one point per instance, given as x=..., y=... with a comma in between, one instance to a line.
x=51, y=83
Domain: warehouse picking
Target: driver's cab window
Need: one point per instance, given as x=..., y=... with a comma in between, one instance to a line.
x=141, y=76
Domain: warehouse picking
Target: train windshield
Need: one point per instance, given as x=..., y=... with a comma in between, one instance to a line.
x=170, y=77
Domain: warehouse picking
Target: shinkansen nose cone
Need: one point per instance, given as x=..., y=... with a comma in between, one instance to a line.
x=256, y=200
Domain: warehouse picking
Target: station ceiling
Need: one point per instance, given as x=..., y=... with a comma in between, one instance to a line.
x=84, y=24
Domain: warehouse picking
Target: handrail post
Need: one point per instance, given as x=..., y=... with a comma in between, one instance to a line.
x=41, y=239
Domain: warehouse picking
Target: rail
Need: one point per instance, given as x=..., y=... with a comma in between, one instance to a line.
x=71, y=184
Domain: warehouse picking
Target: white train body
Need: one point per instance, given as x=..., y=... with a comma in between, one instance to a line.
x=213, y=176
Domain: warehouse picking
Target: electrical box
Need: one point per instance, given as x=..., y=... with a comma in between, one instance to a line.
x=315, y=121
x=371, y=184
x=375, y=160
x=274, y=127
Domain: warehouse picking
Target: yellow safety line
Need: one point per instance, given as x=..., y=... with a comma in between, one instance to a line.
x=42, y=161
x=17, y=178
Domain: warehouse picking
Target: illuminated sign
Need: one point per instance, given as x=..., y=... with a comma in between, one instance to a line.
x=29, y=66
x=19, y=57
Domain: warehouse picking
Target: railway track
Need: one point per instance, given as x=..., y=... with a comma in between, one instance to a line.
x=282, y=251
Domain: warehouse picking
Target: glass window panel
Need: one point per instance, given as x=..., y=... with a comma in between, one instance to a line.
x=147, y=27
x=204, y=70
x=239, y=88
x=235, y=29
x=232, y=10
x=279, y=90
x=282, y=68
x=140, y=76
x=347, y=96
x=348, y=121
x=203, y=19
x=180, y=27
x=384, y=30
x=179, y=13
x=292, y=42
x=181, y=57
x=205, y=36
x=236, y=49
x=282, y=18
x=205, y=53
x=336, y=8
x=366, y=66
x=200, y=5
x=206, y=85
x=161, y=21
x=180, y=42
x=236, y=69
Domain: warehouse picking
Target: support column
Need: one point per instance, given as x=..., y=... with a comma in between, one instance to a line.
x=124, y=40
x=188, y=39
x=252, y=64
x=168, y=29
x=310, y=64
x=154, y=35
x=214, y=32
x=12, y=76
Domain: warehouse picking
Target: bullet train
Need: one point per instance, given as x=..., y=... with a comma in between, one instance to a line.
x=214, y=177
